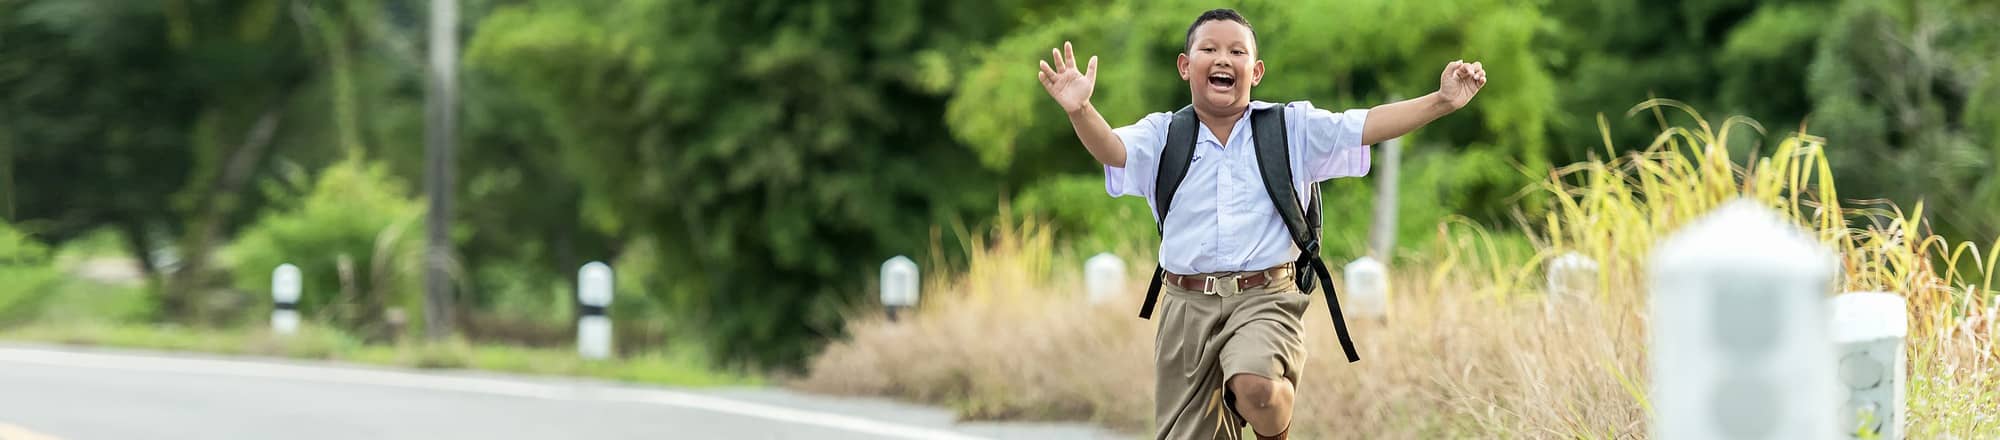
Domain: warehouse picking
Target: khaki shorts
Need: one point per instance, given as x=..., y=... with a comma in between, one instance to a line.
x=1204, y=340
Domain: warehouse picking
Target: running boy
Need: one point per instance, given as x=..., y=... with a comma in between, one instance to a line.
x=1228, y=350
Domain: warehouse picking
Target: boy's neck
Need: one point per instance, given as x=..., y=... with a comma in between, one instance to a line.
x=1220, y=125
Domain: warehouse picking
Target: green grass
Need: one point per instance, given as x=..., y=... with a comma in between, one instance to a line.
x=62, y=309
x=676, y=368
x=69, y=299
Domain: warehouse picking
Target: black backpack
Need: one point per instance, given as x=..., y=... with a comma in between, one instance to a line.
x=1275, y=164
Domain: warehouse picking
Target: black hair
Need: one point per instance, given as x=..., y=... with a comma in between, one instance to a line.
x=1215, y=15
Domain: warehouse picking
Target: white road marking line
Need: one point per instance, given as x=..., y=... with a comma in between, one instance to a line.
x=15, y=432
x=467, y=385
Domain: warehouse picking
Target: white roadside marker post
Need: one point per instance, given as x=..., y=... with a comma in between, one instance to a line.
x=593, y=327
x=1869, y=328
x=899, y=285
x=285, y=285
x=1367, y=287
x=1104, y=277
x=1739, y=342
x=1572, y=277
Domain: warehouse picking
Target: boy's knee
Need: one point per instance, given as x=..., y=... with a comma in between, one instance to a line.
x=1255, y=392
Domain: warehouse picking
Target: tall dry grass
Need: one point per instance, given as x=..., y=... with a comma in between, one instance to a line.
x=1471, y=349
x=1615, y=211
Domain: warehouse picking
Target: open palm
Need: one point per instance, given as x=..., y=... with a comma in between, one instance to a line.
x=1069, y=85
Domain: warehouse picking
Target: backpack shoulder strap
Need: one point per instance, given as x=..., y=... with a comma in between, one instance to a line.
x=1174, y=161
x=1274, y=162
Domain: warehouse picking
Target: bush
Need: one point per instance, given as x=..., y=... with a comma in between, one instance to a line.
x=1087, y=218
x=27, y=276
x=354, y=237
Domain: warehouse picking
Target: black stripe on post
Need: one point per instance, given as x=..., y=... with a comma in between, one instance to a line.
x=590, y=310
x=285, y=306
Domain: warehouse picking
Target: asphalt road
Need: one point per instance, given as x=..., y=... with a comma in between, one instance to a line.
x=51, y=392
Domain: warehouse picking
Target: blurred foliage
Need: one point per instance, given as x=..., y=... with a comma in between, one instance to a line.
x=1907, y=86
x=40, y=283
x=356, y=238
x=90, y=88
x=26, y=275
x=1076, y=206
x=156, y=117
x=1913, y=89
x=746, y=166
x=769, y=149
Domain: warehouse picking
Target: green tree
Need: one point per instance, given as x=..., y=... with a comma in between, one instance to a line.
x=92, y=118
x=155, y=118
x=1908, y=92
x=777, y=151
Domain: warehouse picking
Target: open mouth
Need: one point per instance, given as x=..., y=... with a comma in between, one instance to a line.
x=1221, y=81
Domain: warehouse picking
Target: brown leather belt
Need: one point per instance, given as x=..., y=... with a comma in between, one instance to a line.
x=1228, y=286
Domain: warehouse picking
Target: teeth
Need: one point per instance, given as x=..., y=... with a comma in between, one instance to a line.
x=1221, y=80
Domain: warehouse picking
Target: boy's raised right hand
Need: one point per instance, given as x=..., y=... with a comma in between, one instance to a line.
x=1066, y=83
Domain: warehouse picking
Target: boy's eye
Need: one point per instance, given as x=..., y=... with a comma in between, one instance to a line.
x=1238, y=52
x=1208, y=49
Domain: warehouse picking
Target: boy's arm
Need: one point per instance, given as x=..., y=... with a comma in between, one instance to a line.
x=1097, y=137
x=1071, y=88
x=1460, y=81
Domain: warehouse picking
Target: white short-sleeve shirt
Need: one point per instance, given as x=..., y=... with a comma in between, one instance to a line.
x=1222, y=219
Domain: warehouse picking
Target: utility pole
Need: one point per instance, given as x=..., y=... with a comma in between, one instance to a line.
x=7, y=172
x=1382, y=237
x=441, y=121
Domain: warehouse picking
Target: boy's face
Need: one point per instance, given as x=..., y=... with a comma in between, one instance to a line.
x=1221, y=66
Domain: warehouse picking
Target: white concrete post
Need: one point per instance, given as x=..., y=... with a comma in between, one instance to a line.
x=285, y=281
x=1740, y=345
x=1869, y=328
x=1367, y=294
x=1104, y=277
x=1571, y=277
x=899, y=285
x=593, y=328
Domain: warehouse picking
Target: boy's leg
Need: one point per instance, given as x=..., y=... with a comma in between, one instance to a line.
x=1265, y=403
x=1263, y=358
x=1189, y=382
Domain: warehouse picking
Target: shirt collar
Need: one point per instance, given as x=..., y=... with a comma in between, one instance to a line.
x=1241, y=128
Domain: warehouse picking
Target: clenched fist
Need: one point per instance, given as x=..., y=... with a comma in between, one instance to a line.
x=1460, y=81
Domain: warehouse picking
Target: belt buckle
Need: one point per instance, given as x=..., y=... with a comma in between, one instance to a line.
x=1228, y=288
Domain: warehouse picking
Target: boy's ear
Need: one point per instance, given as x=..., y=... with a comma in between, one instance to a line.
x=1181, y=63
x=1257, y=73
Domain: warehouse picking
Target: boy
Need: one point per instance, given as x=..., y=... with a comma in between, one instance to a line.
x=1229, y=356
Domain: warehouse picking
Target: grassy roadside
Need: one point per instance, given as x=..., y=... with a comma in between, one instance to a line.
x=1471, y=349
x=63, y=303
x=668, y=368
